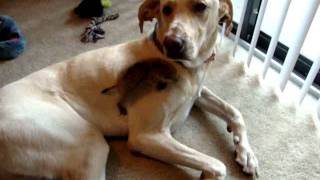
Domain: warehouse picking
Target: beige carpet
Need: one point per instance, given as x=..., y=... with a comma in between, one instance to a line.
x=286, y=141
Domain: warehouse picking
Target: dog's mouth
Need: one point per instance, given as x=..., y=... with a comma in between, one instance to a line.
x=175, y=55
x=175, y=48
x=178, y=56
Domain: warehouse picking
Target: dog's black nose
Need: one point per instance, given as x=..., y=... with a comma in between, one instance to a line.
x=174, y=46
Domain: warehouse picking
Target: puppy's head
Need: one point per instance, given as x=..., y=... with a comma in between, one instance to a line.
x=186, y=29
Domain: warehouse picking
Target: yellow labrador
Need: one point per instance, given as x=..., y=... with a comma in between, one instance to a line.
x=53, y=122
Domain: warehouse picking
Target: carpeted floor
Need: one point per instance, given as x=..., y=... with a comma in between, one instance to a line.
x=285, y=140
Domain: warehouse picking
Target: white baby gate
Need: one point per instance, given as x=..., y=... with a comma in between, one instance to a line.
x=294, y=48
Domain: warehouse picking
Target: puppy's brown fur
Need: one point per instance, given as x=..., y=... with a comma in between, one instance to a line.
x=141, y=79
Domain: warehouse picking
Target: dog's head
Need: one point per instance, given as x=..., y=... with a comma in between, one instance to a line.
x=187, y=29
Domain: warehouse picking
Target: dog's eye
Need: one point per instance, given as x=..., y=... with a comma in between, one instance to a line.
x=167, y=10
x=199, y=7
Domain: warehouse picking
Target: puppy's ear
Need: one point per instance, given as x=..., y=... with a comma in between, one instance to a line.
x=226, y=14
x=148, y=10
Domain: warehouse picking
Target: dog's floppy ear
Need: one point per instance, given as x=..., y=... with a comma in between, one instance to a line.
x=226, y=14
x=148, y=10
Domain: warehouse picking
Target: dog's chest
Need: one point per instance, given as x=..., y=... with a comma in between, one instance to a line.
x=186, y=95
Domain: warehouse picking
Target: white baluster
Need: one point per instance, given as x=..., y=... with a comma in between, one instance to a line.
x=257, y=30
x=237, y=38
x=296, y=46
x=275, y=38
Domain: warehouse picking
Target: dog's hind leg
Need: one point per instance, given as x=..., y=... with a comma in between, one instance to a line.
x=87, y=162
x=76, y=151
x=212, y=103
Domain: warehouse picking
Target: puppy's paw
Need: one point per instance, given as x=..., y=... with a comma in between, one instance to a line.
x=246, y=158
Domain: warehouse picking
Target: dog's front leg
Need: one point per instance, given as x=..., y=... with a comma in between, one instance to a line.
x=164, y=147
x=208, y=101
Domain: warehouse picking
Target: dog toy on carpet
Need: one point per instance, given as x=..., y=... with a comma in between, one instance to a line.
x=12, y=41
x=93, y=31
x=89, y=8
x=106, y=3
x=94, y=9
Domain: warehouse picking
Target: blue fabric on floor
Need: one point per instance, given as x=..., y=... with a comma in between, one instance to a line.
x=12, y=41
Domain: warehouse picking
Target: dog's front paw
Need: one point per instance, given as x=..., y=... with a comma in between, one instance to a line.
x=246, y=158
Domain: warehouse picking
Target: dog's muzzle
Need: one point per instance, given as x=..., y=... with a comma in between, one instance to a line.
x=174, y=47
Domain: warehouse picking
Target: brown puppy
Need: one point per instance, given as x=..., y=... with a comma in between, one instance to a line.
x=141, y=79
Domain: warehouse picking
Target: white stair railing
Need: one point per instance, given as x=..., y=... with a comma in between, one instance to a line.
x=256, y=32
x=237, y=38
x=275, y=38
x=296, y=45
x=294, y=48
